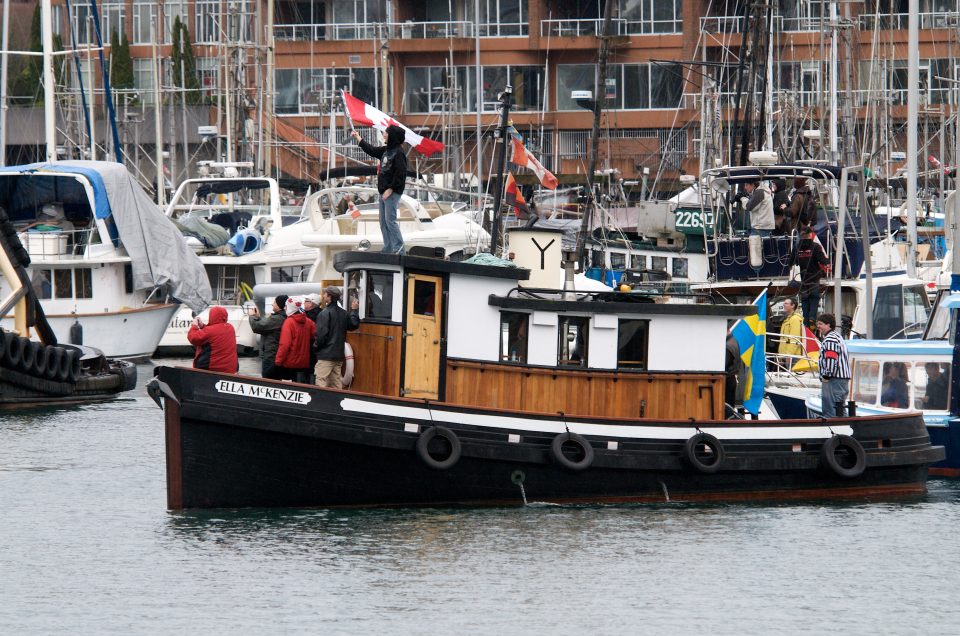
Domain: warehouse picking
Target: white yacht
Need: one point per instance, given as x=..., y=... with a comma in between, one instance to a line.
x=108, y=267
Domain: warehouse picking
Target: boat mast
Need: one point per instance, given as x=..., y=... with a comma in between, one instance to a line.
x=49, y=90
x=913, y=97
x=505, y=99
x=3, y=82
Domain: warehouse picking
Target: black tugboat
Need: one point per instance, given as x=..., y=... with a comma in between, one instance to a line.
x=481, y=384
x=45, y=373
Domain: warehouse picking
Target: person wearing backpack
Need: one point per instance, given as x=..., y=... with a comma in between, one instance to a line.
x=813, y=263
x=803, y=204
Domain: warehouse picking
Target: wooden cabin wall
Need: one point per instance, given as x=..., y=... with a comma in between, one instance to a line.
x=376, y=357
x=579, y=393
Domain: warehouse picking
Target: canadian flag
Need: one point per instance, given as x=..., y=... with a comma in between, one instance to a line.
x=363, y=113
x=526, y=160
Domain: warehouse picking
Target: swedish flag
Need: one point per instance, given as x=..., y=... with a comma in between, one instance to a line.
x=750, y=334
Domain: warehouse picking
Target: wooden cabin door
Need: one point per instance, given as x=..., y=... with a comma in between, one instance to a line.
x=421, y=370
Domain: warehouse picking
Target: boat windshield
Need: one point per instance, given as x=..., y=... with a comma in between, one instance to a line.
x=904, y=384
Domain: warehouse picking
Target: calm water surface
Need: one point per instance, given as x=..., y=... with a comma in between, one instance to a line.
x=87, y=546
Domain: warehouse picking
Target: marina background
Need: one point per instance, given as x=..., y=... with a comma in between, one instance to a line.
x=87, y=546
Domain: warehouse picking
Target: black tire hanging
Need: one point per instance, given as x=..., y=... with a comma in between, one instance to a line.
x=844, y=456
x=40, y=360
x=63, y=369
x=3, y=346
x=73, y=370
x=704, y=452
x=28, y=355
x=423, y=447
x=13, y=351
x=53, y=363
x=582, y=451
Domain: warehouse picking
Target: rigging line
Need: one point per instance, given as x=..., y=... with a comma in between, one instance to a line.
x=76, y=60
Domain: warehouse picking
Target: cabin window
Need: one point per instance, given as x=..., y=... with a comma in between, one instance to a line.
x=895, y=385
x=573, y=341
x=680, y=268
x=128, y=278
x=865, y=381
x=632, y=344
x=658, y=263
x=597, y=259
x=617, y=260
x=888, y=312
x=83, y=282
x=41, y=283
x=513, y=336
x=378, y=295
x=63, y=283
x=424, y=298
x=292, y=274
x=915, y=310
x=931, y=386
x=639, y=261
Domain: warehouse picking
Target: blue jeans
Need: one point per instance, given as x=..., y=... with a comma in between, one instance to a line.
x=810, y=304
x=763, y=233
x=833, y=391
x=389, y=228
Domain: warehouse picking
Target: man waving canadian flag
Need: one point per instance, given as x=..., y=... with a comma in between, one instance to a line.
x=364, y=114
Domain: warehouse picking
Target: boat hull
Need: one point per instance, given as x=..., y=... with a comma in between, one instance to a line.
x=174, y=338
x=236, y=442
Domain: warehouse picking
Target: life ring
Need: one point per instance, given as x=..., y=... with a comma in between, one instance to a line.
x=347, y=373
x=423, y=450
x=584, y=450
x=844, y=456
x=710, y=459
x=28, y=355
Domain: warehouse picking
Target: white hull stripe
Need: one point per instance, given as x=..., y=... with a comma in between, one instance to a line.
x=768, y=431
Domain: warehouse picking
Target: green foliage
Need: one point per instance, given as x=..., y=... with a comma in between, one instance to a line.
x=121, y=71
x=184, y=64
x=25, y=88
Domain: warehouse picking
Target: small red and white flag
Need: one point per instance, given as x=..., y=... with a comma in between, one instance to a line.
x=810, y=343
x=524, y=159
x=513, y=195
x=366, y=115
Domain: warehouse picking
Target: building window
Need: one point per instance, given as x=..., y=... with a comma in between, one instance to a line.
x=81, y=22
x=208, y=74
x=144, y=21
x=513, y=336
x=83, y=282
x=633, y=87
x=143, y=79
x=173, y=9
x=572, y=349
x=632, y=344
x=309, y=91
x=356, y=19
x=500, y=18
x=207, y=22
x=651, y=16
x=114, y=14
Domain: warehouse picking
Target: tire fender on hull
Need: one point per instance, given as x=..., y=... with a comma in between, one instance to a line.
x=423, y=447
x=706, y=462
x=844, y=456
x=583, y=449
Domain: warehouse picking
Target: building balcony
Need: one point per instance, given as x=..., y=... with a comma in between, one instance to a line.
x=397, y=30
x=618, y=26
x=899, y=21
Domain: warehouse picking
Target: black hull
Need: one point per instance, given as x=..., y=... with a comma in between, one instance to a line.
x=342, y=449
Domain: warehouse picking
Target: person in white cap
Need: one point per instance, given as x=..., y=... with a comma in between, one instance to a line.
x=333, y=323
x=311, y=306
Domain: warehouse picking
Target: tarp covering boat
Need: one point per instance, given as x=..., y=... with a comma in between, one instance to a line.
x=159, y=257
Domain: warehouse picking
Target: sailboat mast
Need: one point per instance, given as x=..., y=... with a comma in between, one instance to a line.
x=913, y=97
x=49, y=90
x=3, y=82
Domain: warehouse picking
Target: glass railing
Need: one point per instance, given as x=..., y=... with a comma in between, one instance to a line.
x=397, y=30
x=895, y=21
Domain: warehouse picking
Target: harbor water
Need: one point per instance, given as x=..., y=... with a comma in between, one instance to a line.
x=87, y=546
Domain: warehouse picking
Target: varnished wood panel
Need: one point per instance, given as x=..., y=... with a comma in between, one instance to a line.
x=376, y=353
x=586, y=393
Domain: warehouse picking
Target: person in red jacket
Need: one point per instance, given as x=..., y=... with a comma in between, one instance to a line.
x=296, y=338
x=215, y=343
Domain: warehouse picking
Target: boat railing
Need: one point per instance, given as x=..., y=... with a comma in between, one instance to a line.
x=649, y=293
x=58, y=244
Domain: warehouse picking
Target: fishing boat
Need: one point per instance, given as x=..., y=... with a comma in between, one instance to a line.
x=43, y=372
x=108, y=268
x=483, y=384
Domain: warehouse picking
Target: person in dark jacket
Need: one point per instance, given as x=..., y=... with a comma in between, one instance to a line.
x=803, y=205
x=296, y=340
x=781, y=203
x=333, y=323
x=215, y=343
x=391, y=179
x=269, y=329
x=813, y=263
x=312, y=307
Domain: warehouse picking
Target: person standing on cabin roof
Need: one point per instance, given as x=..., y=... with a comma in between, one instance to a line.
x=391, y=180
x=813, y=263
x=834, y=366
x=760, y=207
x=215, y=343
x=268, y=327
x=332, y=326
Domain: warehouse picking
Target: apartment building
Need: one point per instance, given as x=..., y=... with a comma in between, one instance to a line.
x=438, y=66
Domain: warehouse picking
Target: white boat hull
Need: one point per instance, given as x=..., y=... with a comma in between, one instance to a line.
x=175, y=335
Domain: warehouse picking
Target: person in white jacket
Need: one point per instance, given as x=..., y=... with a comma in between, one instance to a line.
x=760, y=207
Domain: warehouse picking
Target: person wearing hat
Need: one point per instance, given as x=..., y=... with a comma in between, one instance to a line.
x=332, y=326
x=214, y=342
x=391, y=179
x=269, y=328
x=311, y=306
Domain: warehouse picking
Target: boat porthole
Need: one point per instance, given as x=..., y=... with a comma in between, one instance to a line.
x=447, y=446
x=844, y=456
x=704, y=452
x=572, y=451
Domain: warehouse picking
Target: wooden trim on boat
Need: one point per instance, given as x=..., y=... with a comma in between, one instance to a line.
x=121, y=312
x=174, y=455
